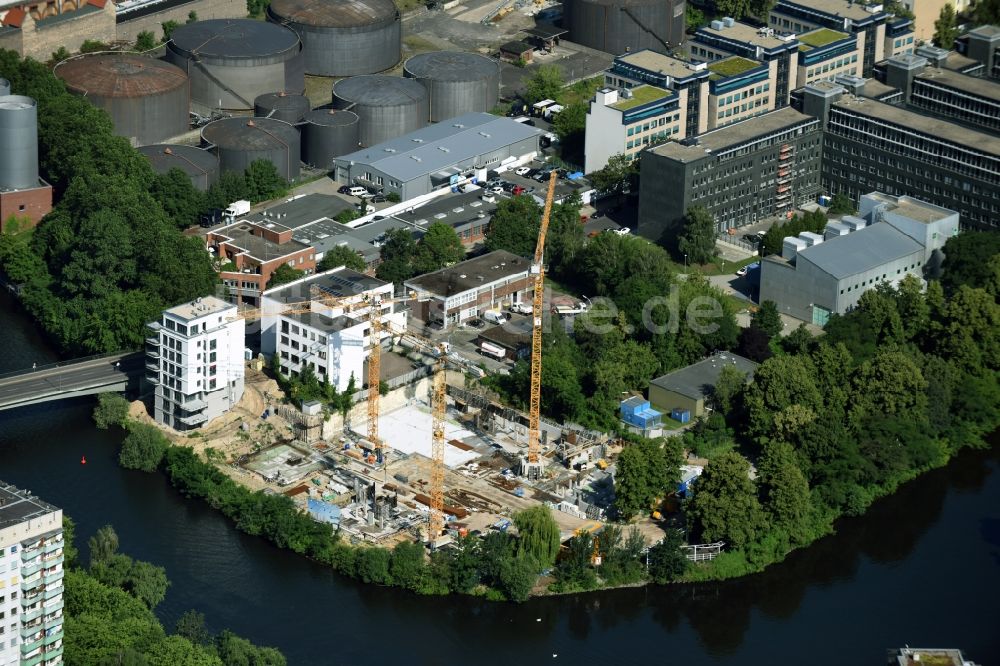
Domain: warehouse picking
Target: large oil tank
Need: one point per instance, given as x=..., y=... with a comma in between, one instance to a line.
x=456, y=82
x=282, y=106
x=618, y=26
x=4, y=87
x=148, y=99
x=201, y=166
x=19, y=138
x=343, y=38
x=240, y=141
x=232, y=61
x=387, y=106
x=328, y=133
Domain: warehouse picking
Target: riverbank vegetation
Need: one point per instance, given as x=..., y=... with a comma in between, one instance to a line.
x=109, y=615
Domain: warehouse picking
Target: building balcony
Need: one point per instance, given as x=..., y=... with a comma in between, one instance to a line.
x=52, y=605
x=152, y=352
x=153, y=341
x=31, y=630
x=193, y=419
x=53, y=577
x=30, y=614
x=53, y=621
x=54, y=556
x=53, y=544
x=54, y=655
x=153, y=367
x=30, y=647
x=29, y=581
x=53, y=592
x=195, y=405
x=52, y=638
x=31, y=568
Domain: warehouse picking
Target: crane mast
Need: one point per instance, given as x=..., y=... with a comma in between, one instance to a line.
x=533, y=468
x=374, y=375
x=438, y=407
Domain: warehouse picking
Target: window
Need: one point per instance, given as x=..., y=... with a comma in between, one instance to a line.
x=211, y=344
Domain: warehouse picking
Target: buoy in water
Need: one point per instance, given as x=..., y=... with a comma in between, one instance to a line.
x=83, y=460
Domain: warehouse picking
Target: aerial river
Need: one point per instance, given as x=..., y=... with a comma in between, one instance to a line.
x=921, y=568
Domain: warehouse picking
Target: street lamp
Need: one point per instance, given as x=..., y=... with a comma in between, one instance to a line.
x=685, y=264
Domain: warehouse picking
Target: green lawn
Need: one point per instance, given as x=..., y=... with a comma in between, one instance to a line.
x=732, y=66
x=581, y=91
x=821, y=37
x=640, y=95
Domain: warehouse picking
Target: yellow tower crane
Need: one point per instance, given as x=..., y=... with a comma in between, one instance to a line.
x=438, y=411
x=533, y=468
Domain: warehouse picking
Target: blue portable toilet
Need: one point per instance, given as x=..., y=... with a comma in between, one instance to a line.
x=682, y=415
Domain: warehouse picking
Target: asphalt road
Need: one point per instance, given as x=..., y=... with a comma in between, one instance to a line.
x=46, y=381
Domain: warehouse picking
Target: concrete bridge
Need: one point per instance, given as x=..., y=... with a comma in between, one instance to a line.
x=70, y=379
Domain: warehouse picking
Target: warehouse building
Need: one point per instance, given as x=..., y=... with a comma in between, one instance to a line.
x=741, y=173
x=322, y=322
x=688, y=389
x=819, y=275
x=440, y=156
x=469, y=288
x=872, y=146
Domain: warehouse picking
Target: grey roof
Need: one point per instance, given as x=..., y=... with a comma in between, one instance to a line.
x=471, y=274
x=240, y=235
x=199, y=307
x=441, y=146
x=451, y=66
x=333, y=284
x=192, y=161
x=840, y=8
x=233, y=38
x=861, y=251
x=987, y=31
x=968, y=84
x=250, y=133
x=303, y=211
x=340, y=14
x=379, y=90
x=742, y=32
x=17, y=506
x=697, y=380
x=455, y=210
x=654, y=61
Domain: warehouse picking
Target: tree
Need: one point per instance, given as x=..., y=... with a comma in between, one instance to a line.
x=179, y=198
x=284, y=274
x=103, y=545
x=406, y=565
x=237, y=651
x=145, y=41
x=191, y=625
x=986, y=12
x=538, y=535
x=799, y=341
x=946, y=27
x=93, y=46
x=728, y=388
x=439, y=247
x=767, y=319
x=784, y=492
x=545, y=83
x=697, y=239
x=571, y=122
x=112, y=409
x=840, y=204
x=725, y=506
x=514, y=226
x=667, y=562
x=754, y=344
x=59, y=55
x=255, y=8
x=967, y=258
x=341, y=255
x=264, y=182
x=346, y=215
x=632, y=490
x=397, y=255
x=168, y=29
x=147, y=582
x=735, y=8
x=192, y=17
x=620, y=171
x=574, y=570
x=373, y=566
x=779, y=382
x=517, y=577
x=143, y=447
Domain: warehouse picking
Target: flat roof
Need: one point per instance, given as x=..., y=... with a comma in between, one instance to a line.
x=697, y=380
x=240, y=235
x=18, y=506
x=861, y=251
x=454, y=210
x=842, y=8
x=322, y=322
x=440, y=146
x=742, y=32
x=657, y=62
x=199, y=307
x=732, y=66
x=960, y=63
x=643, y=94
x=334, y=283
x=301, y=211
x=985, y=31
x=735, y=134
x=914, y=209
x=546, y=31
x=471, y=274
x=970, y=84
x=913, y=121
x=821, y=37
x=514, y=334
x=877, y=90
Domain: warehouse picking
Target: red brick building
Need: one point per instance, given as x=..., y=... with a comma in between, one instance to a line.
x=32, y=204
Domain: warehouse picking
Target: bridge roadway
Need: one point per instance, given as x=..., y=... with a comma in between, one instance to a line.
x=70, y=379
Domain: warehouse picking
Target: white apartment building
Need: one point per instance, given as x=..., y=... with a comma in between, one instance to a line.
x=322, y=321
x=195, y=359
x=628, y=120
x=31, y=580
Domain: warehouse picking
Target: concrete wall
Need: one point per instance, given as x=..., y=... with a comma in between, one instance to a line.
x=206, y=9
x=357, y=417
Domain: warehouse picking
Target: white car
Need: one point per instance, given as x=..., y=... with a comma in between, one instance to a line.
x=521, y=308
x=741, y=272
x=623, y=231
x=520, y=171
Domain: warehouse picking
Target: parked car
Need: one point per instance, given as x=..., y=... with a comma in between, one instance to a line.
x=521, y=308
x=344, y=189
x=741, y=272
x=623, y=231
x=597, y=215
x=521, y=171
x=475, y=323
x=517, y=190
x=379, y=198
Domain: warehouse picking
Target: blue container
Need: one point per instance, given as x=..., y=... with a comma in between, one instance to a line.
x=682, y=415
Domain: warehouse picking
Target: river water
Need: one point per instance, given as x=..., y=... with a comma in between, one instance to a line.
x=921, y=568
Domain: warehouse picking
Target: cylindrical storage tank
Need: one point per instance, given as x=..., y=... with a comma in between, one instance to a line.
x=19, y=138
x=281, y=106
x=232, y=61
x=4, y=87
x=456, y=82
x=387, y=106
x=201, y=166
x=240, y=141
x=328, y=133
x=618, y=26
x=343, y=38
x=148, y=99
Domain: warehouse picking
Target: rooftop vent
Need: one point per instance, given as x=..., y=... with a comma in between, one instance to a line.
x=417, y=140
x=443, y=149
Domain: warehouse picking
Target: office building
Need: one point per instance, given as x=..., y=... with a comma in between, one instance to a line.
x=195, y=358
x=819, y=275
x=323, y=322
x=690, y=388
x=899, y=37
x=628, y=120
x=866, y=21
x=31, y=580
x=689, y=80
x=983, y=45
x=869, y=145
x=741, y=173
x=440, y=156
x=826, y=54
x=778, y=52
x=928, y=11
x=469, y=288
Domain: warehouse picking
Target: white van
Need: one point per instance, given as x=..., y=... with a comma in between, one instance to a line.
x=357, y=191
x=495, y=317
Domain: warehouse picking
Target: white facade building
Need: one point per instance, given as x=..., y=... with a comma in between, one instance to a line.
x=322, y=321
x=31, y=574
x=627, y=121
x=195, y=358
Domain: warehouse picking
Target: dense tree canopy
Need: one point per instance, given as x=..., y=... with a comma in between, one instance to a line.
x=697, y=239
